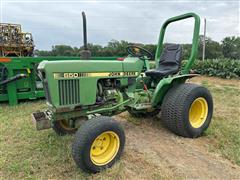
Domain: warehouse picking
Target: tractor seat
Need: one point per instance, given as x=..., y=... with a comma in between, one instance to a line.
x=169, y=64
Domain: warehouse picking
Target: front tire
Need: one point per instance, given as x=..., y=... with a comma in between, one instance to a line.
x=187, y=110
x=98, y=144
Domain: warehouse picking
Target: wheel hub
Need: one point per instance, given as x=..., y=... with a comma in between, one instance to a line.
x=198, y=112
x=104, y=148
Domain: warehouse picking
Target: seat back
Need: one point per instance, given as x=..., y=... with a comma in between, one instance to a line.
x=171, y=56
x=169, y=63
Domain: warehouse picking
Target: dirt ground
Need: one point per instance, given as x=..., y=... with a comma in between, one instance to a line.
x=170, y=156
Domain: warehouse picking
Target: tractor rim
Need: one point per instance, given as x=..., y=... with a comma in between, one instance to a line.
x=104, y=148
x=65, y=124
x=198, y=112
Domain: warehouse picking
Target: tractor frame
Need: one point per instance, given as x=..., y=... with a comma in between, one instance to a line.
x=81, y=95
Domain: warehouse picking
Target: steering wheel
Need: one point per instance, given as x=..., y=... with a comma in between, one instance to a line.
x=140, y=52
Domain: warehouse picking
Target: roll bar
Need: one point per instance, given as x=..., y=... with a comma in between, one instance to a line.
x=195, y=39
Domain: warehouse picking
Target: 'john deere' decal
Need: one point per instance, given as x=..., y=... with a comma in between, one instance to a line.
x=94, y=74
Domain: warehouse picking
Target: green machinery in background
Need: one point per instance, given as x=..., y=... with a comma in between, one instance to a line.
x=18, y=74
x=82, y=94
x=19, y=79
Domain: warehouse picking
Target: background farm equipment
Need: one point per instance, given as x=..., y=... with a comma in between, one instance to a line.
x=19, y=79
x=14, y=42
x=18, y=73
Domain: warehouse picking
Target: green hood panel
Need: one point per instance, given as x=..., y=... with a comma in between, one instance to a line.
x=81, y=66
x=65, y=76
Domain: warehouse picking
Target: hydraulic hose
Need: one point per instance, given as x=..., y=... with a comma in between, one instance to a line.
x=3, y=74
x=14, y=78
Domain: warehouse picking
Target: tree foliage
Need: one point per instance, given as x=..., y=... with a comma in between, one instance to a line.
x=213, y=49
x=231, y=47
x=228, y=48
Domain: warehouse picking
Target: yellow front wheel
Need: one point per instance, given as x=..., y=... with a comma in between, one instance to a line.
x=104, y=148
x=98, y=144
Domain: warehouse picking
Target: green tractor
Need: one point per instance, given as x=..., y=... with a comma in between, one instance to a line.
x=82, y=95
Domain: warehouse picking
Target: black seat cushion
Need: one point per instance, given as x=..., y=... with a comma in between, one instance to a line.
x=170, y=62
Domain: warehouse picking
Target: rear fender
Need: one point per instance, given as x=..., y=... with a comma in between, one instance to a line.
x=165, y=84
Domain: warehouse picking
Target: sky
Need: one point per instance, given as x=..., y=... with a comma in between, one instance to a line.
x=55, y=22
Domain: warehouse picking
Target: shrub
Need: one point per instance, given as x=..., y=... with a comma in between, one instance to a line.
x=224, y=68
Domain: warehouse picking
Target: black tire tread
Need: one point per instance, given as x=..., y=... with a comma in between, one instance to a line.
x=83, y=135
x=173, y=108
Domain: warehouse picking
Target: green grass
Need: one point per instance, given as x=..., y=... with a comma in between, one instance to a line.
x=23, y=148
x=225, y=127
x=30, y=154
x=27, y=153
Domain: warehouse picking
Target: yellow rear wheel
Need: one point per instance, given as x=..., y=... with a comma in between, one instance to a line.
x=198, y=112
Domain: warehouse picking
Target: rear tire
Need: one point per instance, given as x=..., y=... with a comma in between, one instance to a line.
x=98, y=144
x=187, y=110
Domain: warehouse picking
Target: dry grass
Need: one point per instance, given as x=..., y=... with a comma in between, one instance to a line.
x=26, y=153
x=225, y=127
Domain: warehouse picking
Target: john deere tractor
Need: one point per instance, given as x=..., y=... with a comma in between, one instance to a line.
x=82, y=95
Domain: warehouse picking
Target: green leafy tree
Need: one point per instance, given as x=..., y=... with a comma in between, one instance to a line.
x=186, y=51
x=213, y=49
x=117, y=48
x=42, y=53
x=62, y=50
x=231, y=47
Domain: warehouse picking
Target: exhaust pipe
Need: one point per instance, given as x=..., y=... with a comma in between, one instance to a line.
x=85, y=53
x=84, y=31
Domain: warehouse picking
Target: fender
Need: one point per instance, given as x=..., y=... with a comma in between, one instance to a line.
x=165, y=84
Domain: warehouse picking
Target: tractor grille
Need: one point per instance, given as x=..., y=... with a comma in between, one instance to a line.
x=68, y=92
x=46, y=91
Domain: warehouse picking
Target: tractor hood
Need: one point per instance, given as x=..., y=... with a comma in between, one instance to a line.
x=80, y=66
x=128, y=64
x=83, y=75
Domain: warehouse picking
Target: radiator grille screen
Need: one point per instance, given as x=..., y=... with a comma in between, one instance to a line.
x=46, y=91
x=68, y=92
